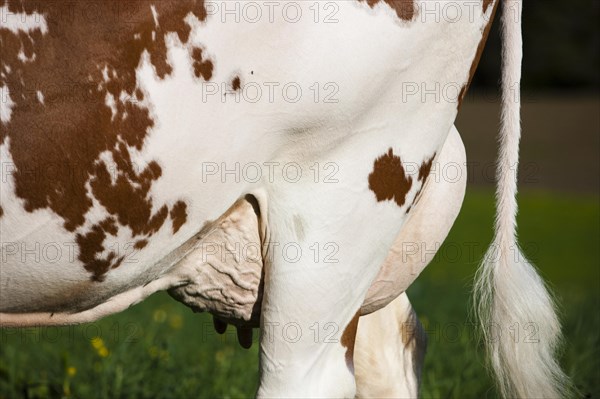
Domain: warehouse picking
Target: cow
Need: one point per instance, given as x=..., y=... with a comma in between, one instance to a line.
x=263, y=162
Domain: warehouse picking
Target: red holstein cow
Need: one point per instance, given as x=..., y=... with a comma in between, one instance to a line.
x=264, y=162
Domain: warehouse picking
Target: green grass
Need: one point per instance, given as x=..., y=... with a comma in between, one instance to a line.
x=560, y=235
x=161, y=349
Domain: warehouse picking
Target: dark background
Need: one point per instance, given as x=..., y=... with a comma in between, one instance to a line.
x=561, y=48
x=560, y=103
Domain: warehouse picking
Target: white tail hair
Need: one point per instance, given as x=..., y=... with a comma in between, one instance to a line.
x=515, y=310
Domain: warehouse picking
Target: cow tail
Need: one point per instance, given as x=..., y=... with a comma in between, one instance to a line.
x=515, y=310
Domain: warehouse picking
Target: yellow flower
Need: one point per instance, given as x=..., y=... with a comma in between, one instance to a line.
x=71, y=371
x=97, y=343
x=176, y=322
x=101, y=349
x=103, y=352
x=160, y=316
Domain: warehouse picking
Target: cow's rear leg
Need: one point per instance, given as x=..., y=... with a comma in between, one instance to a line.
x=389, y=352
x=310, y=313
x=317, y=272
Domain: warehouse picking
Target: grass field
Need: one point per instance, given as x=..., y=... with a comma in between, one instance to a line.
x=161, y=349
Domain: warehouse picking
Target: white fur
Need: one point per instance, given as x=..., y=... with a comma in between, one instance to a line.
x=6, y=105
x=22, y=22
x=509, y=294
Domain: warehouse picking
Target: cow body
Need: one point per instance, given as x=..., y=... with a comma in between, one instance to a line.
x=208, y=146
x=135, y=133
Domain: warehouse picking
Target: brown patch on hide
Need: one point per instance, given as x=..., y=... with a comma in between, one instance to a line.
x=140, y=244
x=349, y=338
x=178, y=215
x=405, y=9
x=236, y=83
x=130, y=203
x=202, y=67
x=424, y=171
x=389, y=180
x=91, y=243
x=85, y=42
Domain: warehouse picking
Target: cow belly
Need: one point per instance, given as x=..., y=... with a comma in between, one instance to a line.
x=199, y=153
x=428, y=224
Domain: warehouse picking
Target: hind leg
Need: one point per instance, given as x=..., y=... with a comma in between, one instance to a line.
x=389, y=351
